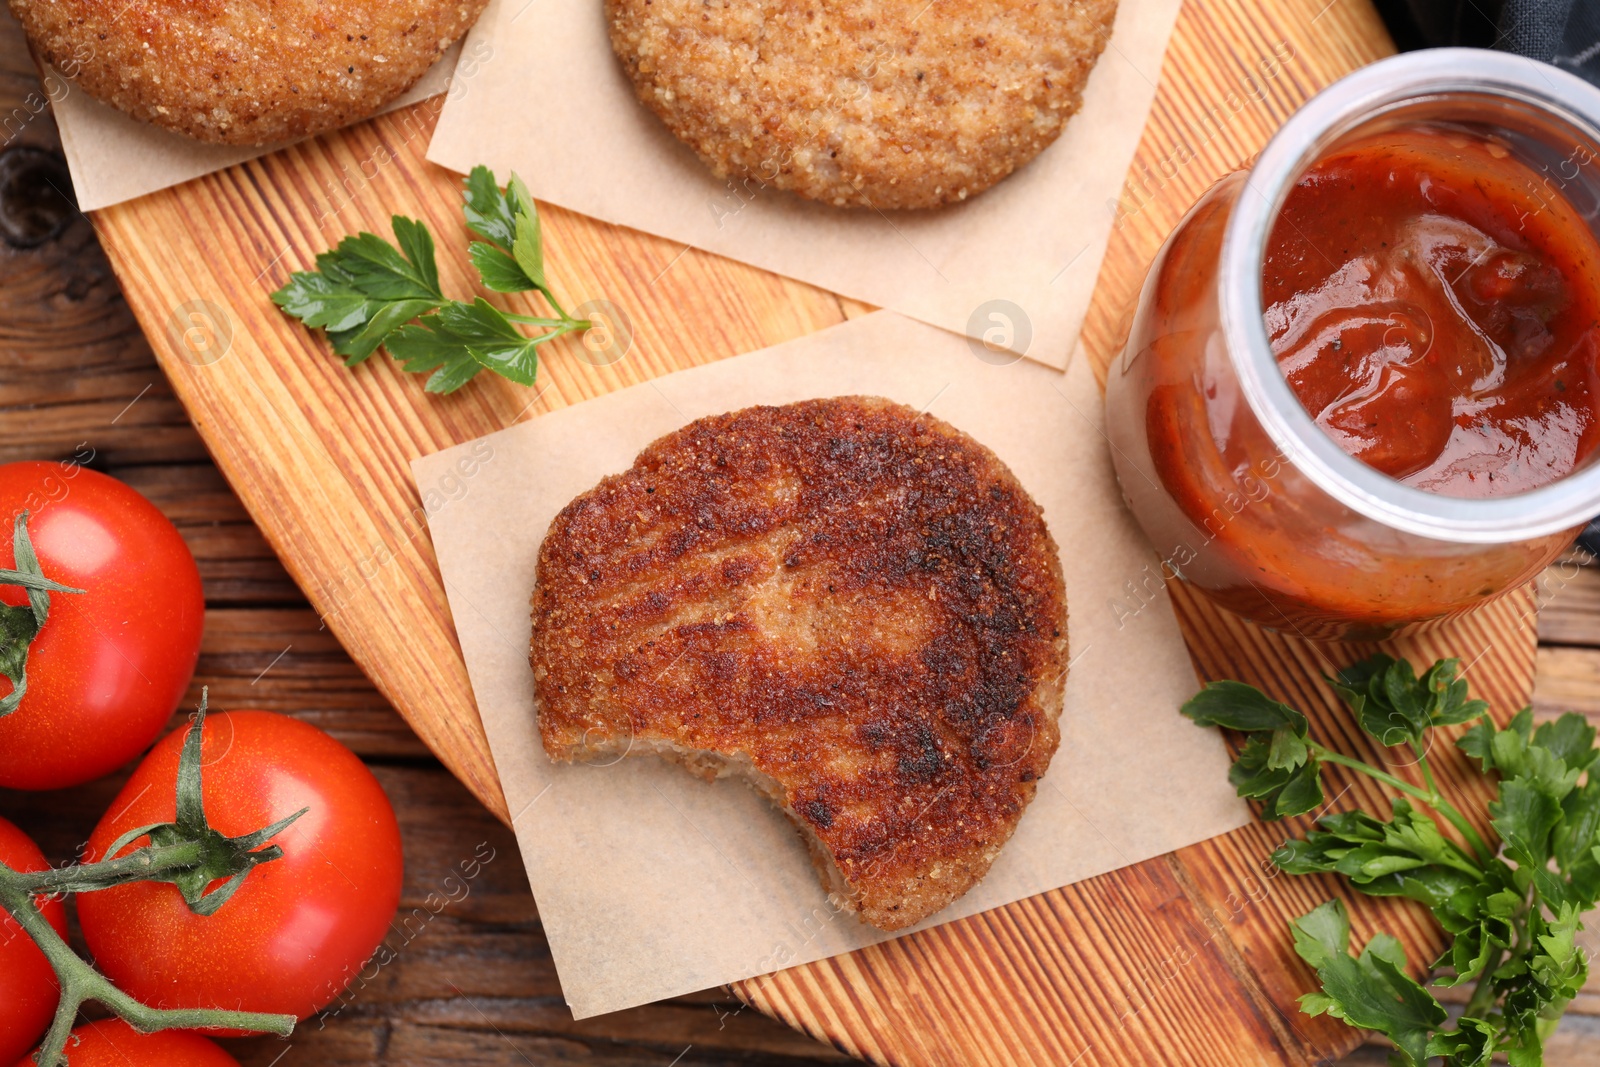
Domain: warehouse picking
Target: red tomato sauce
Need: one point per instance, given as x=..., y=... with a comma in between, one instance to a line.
x=1435, y=304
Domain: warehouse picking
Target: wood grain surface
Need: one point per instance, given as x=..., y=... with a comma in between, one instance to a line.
x=1181, y=960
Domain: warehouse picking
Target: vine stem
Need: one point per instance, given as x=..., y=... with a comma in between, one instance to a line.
x=137, y=866
x=1432, y=799
x=80, y=982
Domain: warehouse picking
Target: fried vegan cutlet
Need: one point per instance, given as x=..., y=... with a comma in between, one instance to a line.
x=854, y=606
x=862, y=103
x=245, y=72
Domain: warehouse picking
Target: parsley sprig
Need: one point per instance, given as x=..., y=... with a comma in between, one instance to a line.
x=1512, y=912
x=370, y=294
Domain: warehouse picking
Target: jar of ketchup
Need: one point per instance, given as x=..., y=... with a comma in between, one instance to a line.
x=1361, y=389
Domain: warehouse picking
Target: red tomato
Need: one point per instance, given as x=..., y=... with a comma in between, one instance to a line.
x=28, y=989
x=300, y=927
x=111, y=663
x=113, y=1043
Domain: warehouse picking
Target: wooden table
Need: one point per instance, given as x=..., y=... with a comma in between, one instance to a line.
x=474, y=985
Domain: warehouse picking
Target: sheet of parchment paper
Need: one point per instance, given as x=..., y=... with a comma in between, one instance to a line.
x=114, y=157
x=1016, y=263
x=652, y=883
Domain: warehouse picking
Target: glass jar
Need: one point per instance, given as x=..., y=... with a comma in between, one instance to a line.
x=1244, y=496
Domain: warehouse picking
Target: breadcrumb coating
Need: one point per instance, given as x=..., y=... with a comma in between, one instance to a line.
x=245, y=72
x=862, y=103
x=854, y=606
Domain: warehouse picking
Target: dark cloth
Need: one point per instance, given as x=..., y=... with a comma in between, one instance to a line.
x=1563, y=32
x=1580, y=48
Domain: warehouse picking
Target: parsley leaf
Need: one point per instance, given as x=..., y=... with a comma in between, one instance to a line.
x=1395, y=706
x=1570, y=739
x=498, y=270
x=490, y=213
x=513, y=260
x=1471, y=1045
x=1238, y=706
x=1370, y=991
x=1408, y=856
x=1286, y=785
x=463, y=339
x=1574, y=838
x=368, y=294
x=378, y=269
x=366, y=288
x=1278, y=769
x=1524, y=817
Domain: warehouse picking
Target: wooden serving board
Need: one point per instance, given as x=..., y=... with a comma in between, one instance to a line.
x=1183, y=959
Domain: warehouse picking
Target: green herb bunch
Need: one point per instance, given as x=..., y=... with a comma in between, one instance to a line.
x=370, y=294
x=1512, y=912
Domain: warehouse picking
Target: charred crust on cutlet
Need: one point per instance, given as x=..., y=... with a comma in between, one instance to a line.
x=851, y=601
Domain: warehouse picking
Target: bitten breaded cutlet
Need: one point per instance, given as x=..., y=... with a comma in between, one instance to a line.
x=854, y=606
x=245, y=72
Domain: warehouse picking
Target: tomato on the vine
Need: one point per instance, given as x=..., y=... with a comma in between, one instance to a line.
x=300, y=927
x=110, y=664
x=28, y=989
x=113, y=1043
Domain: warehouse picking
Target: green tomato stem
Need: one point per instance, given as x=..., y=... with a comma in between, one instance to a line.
x=80, y=982
x=141, y=865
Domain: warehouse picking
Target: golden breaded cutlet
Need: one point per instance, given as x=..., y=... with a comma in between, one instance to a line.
x=245, y=72
x=862, y=103
x=854, y=606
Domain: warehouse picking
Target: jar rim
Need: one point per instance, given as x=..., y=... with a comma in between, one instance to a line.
x=1354, y=100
